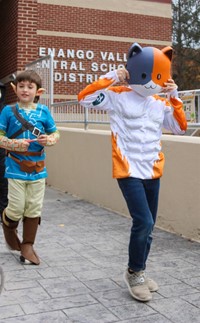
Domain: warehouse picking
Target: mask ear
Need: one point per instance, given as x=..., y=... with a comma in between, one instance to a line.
x=40, y=91
x=134, y=50
x=168, y=51
x=13, y=87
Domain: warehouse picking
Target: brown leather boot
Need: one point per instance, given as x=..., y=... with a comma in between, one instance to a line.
x=10, y=232
x=30, y=226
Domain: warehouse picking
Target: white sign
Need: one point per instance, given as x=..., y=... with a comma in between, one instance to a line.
x=72, y=65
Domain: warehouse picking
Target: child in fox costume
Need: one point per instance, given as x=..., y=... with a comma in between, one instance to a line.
x=137, y=116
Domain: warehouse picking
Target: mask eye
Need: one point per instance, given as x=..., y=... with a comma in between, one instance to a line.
x=158, y=76
x=144, y=75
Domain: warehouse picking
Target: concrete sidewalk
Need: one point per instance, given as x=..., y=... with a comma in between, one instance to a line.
x=83, y=251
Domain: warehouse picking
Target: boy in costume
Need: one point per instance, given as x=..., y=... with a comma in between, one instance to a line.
x=137, y=116
x=25, y=130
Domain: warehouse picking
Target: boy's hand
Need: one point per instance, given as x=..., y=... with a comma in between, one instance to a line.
x=169, y=86
x=170, y=89
x=48, y=140
x=122, y=74
x=42, y=140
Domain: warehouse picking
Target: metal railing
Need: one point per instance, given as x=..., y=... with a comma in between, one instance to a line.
x=71, y=112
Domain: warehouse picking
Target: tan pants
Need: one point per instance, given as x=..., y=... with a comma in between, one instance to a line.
x=25, y=198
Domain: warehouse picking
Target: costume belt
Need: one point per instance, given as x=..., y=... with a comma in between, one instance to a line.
x=27, y=153
x=29, y=166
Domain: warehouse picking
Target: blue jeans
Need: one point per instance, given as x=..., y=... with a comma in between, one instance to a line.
x=141, y=197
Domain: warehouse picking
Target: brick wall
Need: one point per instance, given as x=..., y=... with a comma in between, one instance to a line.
x=18, y=38
x=27, y=32
x=27, y=25
x=94, y=22
x=101, y=22
x=8, y=37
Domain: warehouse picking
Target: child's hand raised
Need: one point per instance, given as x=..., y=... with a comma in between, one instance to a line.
x=122, y=74
x=169, y=86
x=171, y=89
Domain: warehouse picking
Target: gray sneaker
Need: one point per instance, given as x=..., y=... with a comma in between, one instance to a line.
x=153, y=286
x=138, y=286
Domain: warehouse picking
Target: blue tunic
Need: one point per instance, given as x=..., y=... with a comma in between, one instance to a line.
x=40, y=118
